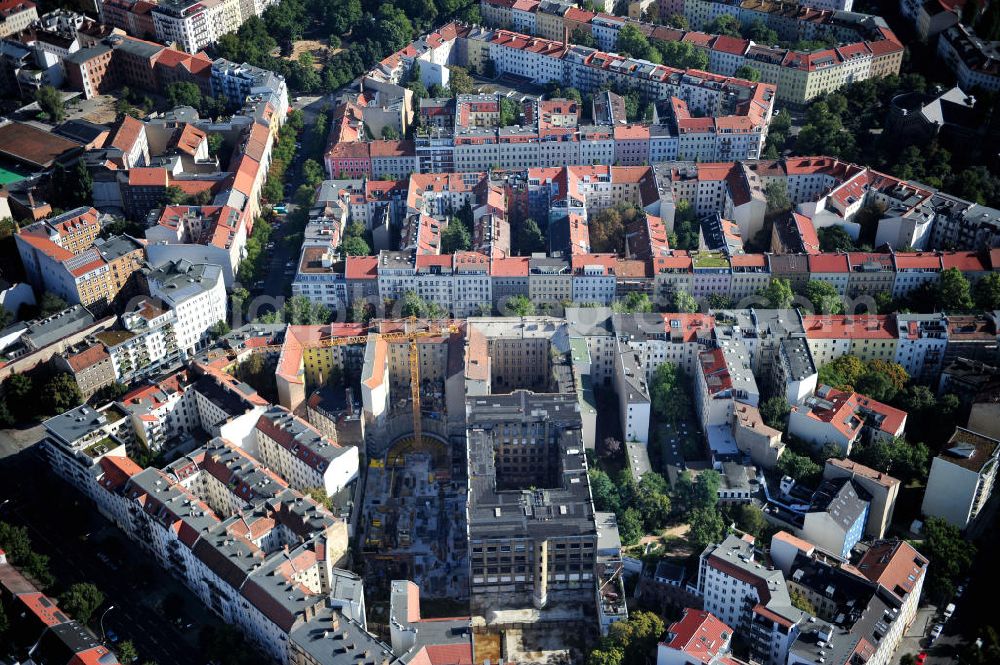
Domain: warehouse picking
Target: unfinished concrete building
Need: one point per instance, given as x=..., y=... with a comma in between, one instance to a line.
x=532, y=536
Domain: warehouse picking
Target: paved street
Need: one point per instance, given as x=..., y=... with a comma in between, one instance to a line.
x=65, y=526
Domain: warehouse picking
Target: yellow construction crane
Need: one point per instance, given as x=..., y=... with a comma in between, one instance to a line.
x=432, y=329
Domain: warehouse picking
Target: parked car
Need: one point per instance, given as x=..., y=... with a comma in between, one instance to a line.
x=949, y=610
x=936, y=632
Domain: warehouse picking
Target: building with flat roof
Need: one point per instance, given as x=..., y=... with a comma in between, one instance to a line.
x=532, y=534
x=882, y=488
x=962, y=478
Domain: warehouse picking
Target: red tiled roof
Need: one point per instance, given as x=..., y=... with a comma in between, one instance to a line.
x=361, y=267
x=514, y=266
x=90, y=356
x=700, y=635
x=127, y=133
x=828, y=262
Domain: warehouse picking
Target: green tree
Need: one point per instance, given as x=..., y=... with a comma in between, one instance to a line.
x=778, y=293
x=747, y=72
x=678, y=21
x=726, y=24
x=51, y=304
x=950, y=556
x=355, y=246
x=750, y=519
x=683, y=55
x=800, y=601
x=455, y=237
x=389, y=133
x=413, y=306
x=893, y=371
x=799, y=467
x=183, y=93
x=824, y=297
x=127, y=652
x=173, y=195
x=843, y=373
x=834, y=239
x=312, y=172
x=684, y=302
x=459, y=81
x=81, y=600
x=215, y=143
x=986, y=292
x=686, y=227
x=508, y=112
x=631, y=42
x=519, y=306
x=778, y=201
x=604, y=491
x=18, y=388
x=218, y=329
x=633, y=302
x=630, y=526
x=774, y=412
x=530, y=238
x=61, y=393
x=583, y=38
x=759, y=32
x=953, y=292
x=50, y=101
x=876, y=386
x=668, y=392
x=707, y=527
x=705, y=490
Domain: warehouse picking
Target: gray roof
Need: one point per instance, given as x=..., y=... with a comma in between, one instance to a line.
x=116, y=247
x=428, y=633
x=844, y=501
x=42, y=332
x=139, y=48
x=770, y=583
x=302, y=440
x=796, y=358
x=331, y=639
x=180, y=280
x=77, y=423
x=565, y=508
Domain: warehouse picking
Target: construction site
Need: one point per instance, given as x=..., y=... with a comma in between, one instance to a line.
x=475, y=484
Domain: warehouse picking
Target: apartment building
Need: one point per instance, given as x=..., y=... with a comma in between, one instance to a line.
x=962, y=478
x=15, y=16
x=197, y=295
x=866, y=48
x=881, y=487
x=841, y=419
x=749, y=597
x=89, y=364
x=125, y=60
x=889, y=585
x=304, y=458
x=836, y=518
x=974, y=61
x=64, y=256
x=698, y=638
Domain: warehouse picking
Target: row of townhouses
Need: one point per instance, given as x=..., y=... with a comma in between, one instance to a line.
x=861, y=46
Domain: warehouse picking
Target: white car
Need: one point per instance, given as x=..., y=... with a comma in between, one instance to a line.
x=936, y=631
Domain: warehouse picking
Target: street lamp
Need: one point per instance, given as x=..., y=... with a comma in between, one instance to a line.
x=103, y=614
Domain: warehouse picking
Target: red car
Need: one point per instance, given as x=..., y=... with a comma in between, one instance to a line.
x=921, y=657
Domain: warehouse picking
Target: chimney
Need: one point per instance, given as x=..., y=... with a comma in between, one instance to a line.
x=565, y=37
